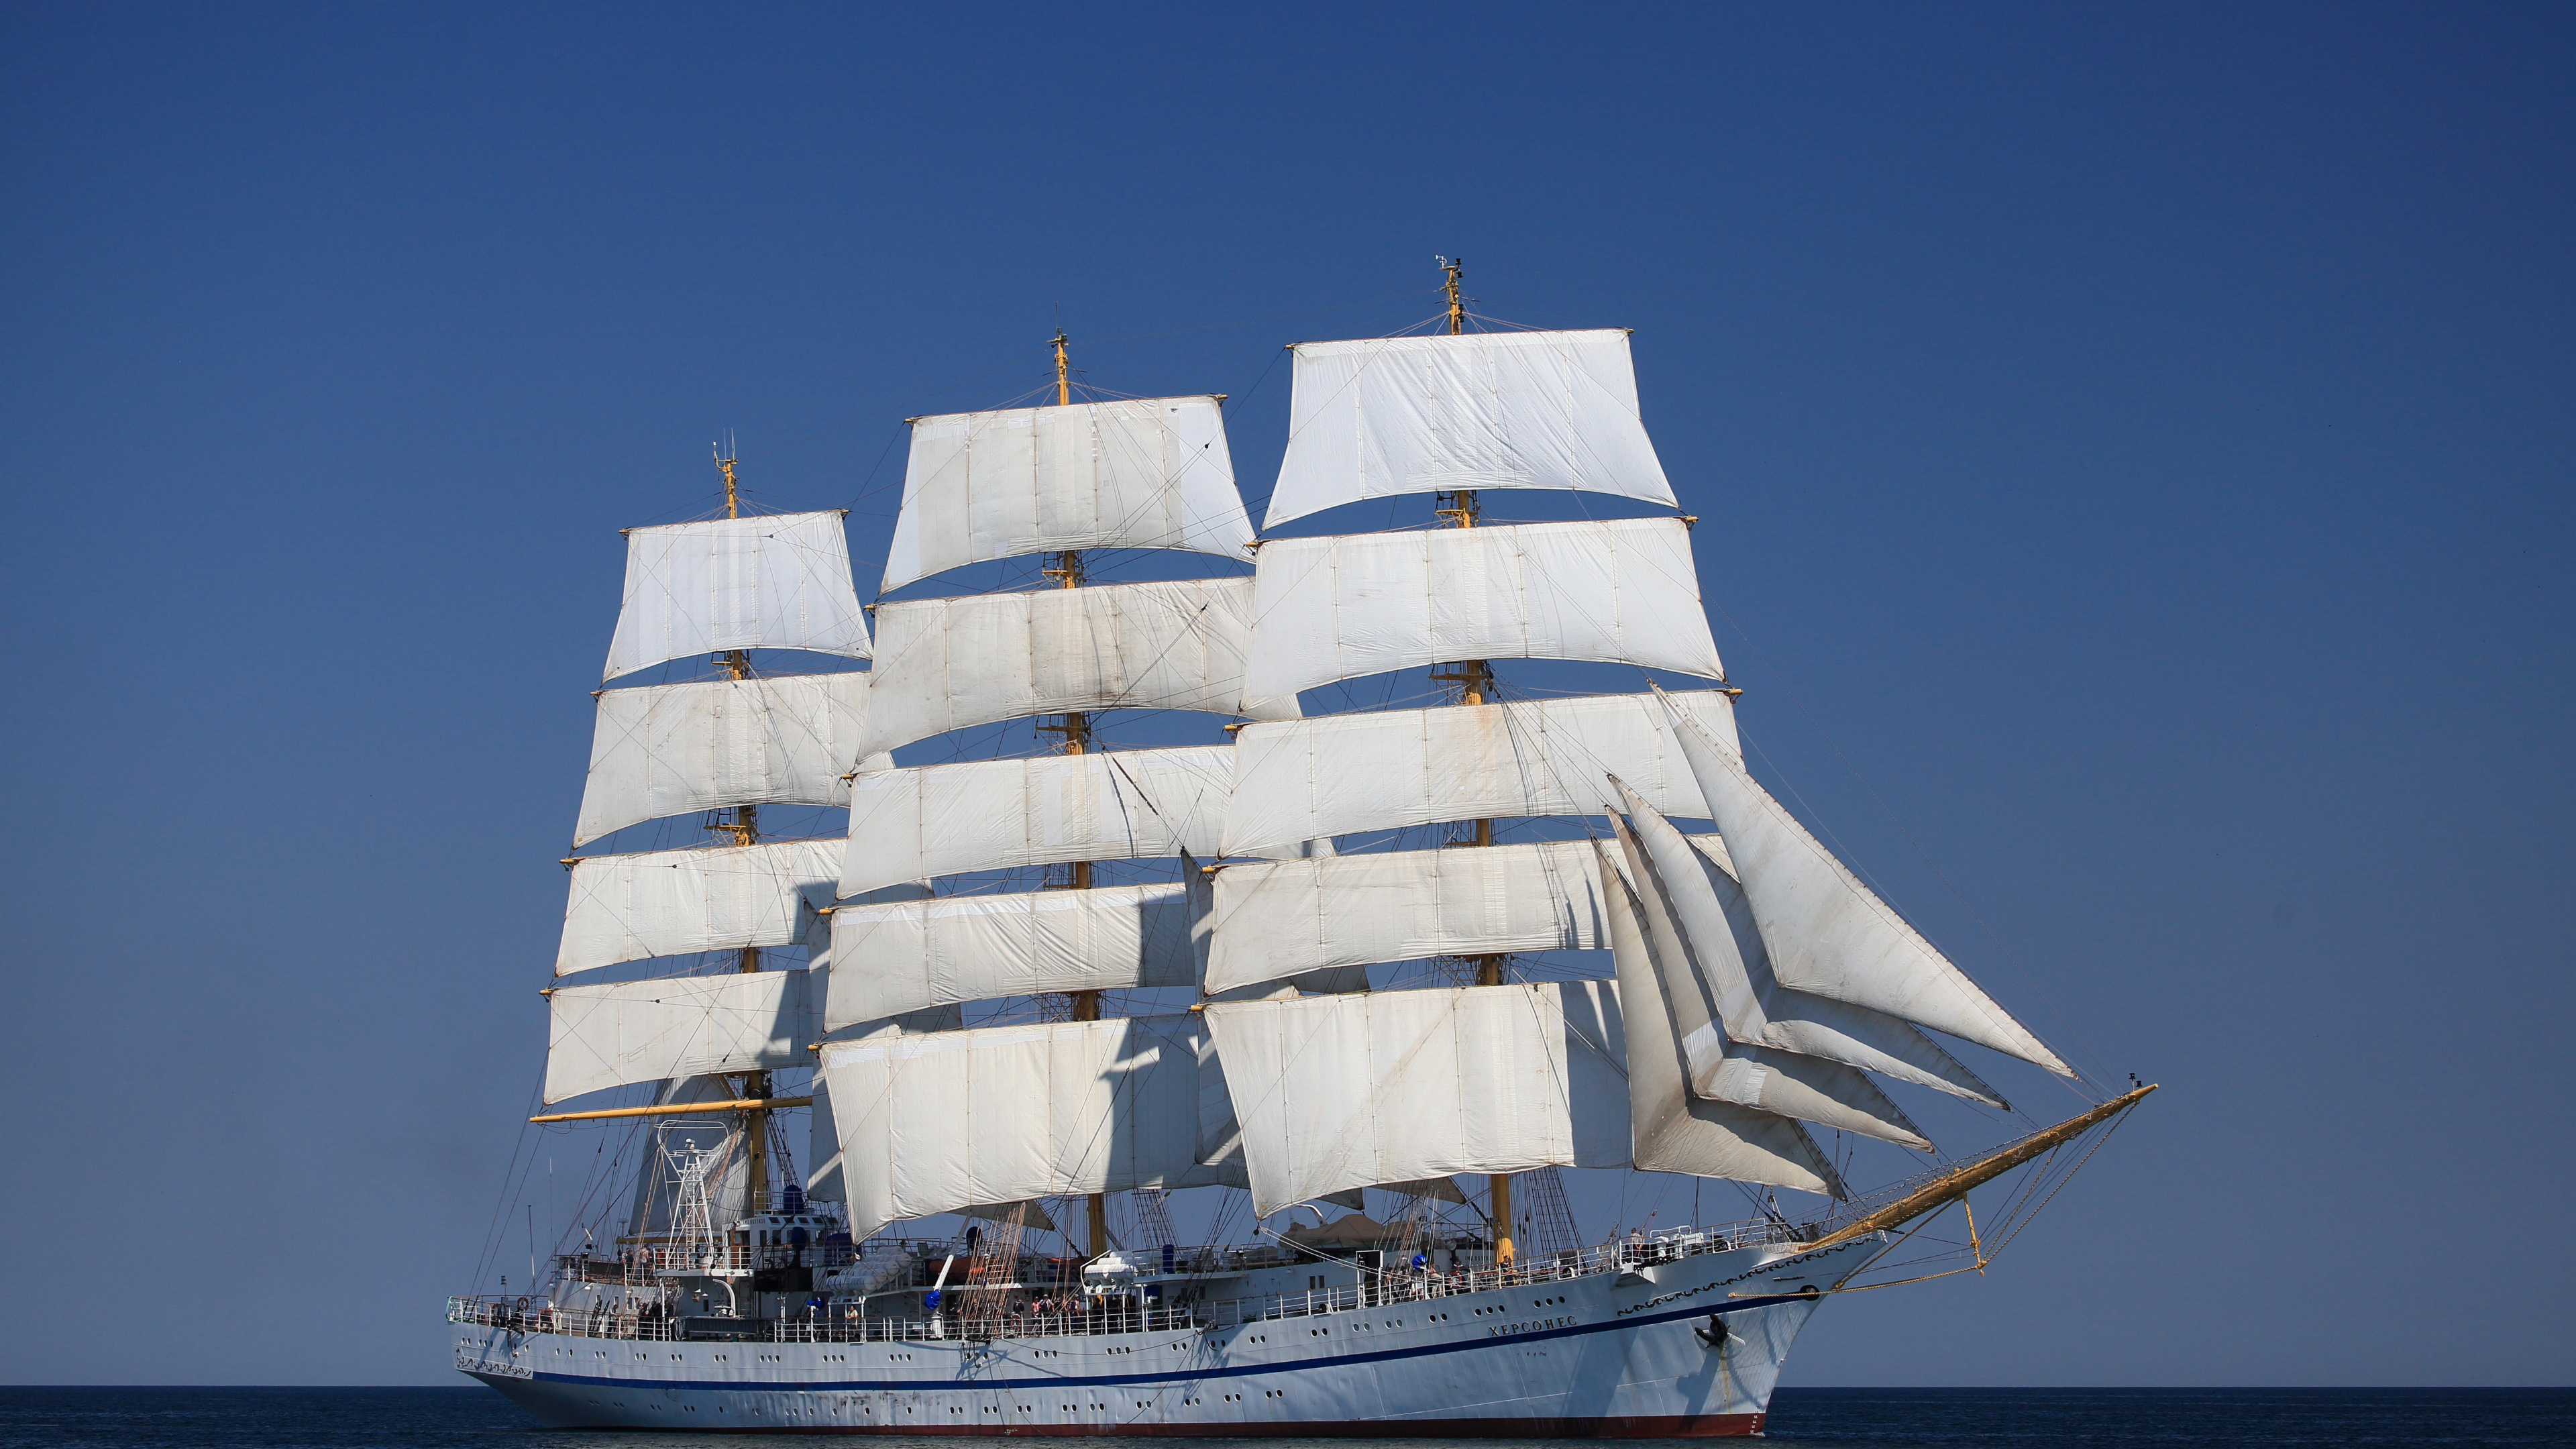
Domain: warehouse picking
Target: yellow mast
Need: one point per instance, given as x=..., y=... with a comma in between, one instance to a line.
x=1954, y=1184
x=1475, y=681
x=744, y=827
x=1066, y=570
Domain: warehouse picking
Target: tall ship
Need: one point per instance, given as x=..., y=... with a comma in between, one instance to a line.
x=1212, y=982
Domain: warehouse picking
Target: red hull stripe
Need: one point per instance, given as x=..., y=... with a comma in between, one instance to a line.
x=1617, y=1426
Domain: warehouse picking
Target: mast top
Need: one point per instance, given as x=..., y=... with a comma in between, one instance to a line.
x=1063, y=373
x=724, y=464
x=1457, y=307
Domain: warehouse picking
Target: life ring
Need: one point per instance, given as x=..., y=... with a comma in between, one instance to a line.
x=521, y=1306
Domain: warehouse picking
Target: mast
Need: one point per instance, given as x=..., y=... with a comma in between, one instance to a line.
x=744, y=827
x=1065, y=567
x=1475, y=681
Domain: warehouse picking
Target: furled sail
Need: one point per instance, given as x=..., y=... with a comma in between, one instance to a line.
x=781, y=581
x=1810, y=1089
x=912, y=954
x=1824, y=931
x=1753, y=1007
x=823, y=1182
x=1306, y=779
x=675, y=749
x=1277, y=918
x=1345, y=605
x=1674, y=1129
x=676, y=1026
x=1136, y=473
x=713, y=898
x=948, y=664
x=932, y=1124
x=1393, y=415
x=912, y=824
x=1338, y=1092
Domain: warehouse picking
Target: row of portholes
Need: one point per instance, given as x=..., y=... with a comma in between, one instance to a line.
x=774, y=1358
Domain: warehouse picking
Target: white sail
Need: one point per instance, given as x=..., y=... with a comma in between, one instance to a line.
x=1674, y=1129
x=1307, y=779
x=676, y=1026
x=901, y=957
x=1481, y=410
x=1136, y=473
x=1810, y=1089
x=912, y=824
x=781, y=581
x=1338, y=1092
x=1753, y=1007
x=1825, y=932
x=714, y=898
x=932, y=1124
x=675, y=749
x=823, y=1180
x=1277, y=918
x=1345, y=605
x=949, y=664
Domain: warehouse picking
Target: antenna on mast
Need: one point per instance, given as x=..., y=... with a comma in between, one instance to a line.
x=1457, y=306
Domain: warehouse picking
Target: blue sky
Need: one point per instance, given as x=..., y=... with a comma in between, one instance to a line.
x=2132, y=446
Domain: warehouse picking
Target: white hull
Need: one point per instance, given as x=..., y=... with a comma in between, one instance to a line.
x=1615, y=1354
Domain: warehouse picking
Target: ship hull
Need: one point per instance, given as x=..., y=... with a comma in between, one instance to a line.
x=1684, y=1349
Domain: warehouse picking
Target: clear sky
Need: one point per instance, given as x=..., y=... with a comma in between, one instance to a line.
x=2132, y=448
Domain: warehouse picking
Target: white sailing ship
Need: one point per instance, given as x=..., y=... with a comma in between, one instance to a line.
x=1406, y=963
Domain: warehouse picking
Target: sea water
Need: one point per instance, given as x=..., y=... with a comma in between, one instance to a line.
x=435, y=1418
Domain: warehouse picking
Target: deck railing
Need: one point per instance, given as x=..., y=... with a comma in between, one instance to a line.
x=981, y=1318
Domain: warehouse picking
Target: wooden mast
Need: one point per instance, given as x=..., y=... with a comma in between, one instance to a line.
x=1066, y=570
x=744, y=827
x=1475, y=681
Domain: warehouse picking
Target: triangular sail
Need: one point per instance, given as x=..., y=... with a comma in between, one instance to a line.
x=676, y=749
x=949, y=664
x=1810, y=1089
x=1753, y=1007
x=1827, y=933
x=935, y=1123
x=780, y=581
x=1341, y=774
x=915, y=823
x=1674, y=1129
x=1346, y=605
x=1132, y=473
x=712, y=898
x=1390, y=415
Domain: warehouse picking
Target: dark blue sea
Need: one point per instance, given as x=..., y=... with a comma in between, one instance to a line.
x=1846, y=1418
